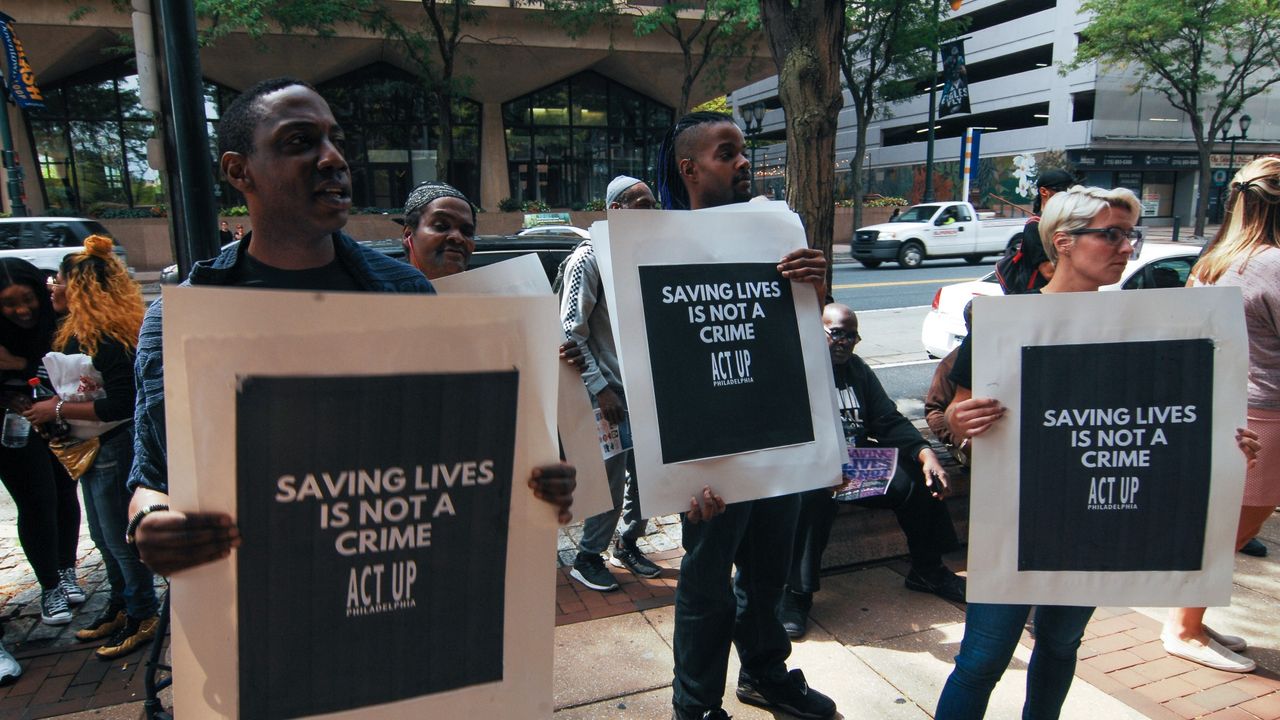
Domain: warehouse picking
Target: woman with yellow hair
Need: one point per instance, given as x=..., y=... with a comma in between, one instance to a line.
x=104, y=309
x=1245, y=254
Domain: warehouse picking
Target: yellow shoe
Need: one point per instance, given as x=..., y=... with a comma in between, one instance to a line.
x=134, y=634
x=105, y=625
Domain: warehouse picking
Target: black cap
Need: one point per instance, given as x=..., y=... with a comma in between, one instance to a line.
x=1055, y=179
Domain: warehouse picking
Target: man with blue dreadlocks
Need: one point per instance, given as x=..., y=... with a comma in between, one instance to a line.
x=702, y=166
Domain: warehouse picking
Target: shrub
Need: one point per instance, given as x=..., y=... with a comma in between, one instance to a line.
x=235, y=211
x=594, y=206
x=535, y=206
x=509, y=205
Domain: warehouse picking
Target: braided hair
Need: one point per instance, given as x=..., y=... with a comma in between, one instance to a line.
x=671, y=190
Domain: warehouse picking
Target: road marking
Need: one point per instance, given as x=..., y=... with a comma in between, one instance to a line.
x=902, y=282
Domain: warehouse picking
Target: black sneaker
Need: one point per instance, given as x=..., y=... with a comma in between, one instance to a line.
x=589, y=570
x=940, y=581
x=1254, y=548
x=792, y=695
x=105, y=625
x=793, y=613
x=627, y=555
x=717, y=714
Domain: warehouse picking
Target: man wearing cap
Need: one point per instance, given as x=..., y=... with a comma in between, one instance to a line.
x=439, y=229
x=1037, y=269
x=585, y=317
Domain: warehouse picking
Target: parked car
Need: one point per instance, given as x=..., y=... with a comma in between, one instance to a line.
x=556, y=230
x=936, y=230
x=44, y=241
x=1160, y=265
x=551, y=251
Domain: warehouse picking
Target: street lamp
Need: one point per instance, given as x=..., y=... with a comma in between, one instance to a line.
x=753, y=115
x=1245, y=121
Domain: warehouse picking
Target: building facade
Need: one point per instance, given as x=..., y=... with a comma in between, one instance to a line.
x=543, y=117
x=1031, y=115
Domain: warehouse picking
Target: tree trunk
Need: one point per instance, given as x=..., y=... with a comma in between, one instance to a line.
x=805, y=38
x=855, y=168
x=444, y=147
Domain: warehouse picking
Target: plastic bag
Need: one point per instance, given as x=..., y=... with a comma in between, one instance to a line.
x=74, y=379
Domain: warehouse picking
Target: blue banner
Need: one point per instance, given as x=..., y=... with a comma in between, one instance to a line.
x=955, y=93
x=19, y=77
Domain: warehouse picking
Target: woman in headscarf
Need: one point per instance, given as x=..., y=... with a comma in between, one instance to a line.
x=439, y=229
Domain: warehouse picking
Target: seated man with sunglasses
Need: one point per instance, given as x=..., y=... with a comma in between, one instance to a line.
x=871, y=418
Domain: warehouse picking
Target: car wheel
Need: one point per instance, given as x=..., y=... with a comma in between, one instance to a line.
x=973, y=259
x=871, y=263
x=911, y=255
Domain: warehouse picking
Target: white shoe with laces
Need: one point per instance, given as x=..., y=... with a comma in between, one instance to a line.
x=10, y=670
x=1212, y=655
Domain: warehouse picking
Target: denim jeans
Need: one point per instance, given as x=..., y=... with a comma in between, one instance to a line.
x=597, y=530
x=756, y=537
x=991, y=633
x=106, y=505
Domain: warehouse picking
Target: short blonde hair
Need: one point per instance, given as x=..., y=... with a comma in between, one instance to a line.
x=1075, y=208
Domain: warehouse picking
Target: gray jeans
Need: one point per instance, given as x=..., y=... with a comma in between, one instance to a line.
x=597, y=531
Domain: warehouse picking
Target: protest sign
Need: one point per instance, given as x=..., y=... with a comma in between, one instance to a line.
x=726, y=366
x=1114, y=478
x=867, y=473
x=523, y=275
x=376, y=468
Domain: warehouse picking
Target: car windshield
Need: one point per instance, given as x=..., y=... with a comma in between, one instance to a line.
x=919, y=213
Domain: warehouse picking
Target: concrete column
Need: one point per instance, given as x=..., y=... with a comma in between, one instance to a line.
x=494, y=186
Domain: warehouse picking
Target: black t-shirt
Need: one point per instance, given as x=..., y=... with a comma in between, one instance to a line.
x=962, y=371
x=333, y=276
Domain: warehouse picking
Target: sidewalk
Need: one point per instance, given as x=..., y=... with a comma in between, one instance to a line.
x=880, y=650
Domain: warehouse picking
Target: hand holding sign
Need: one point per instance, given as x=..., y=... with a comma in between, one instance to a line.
x=554, y=484
x=806, y=265
x=711, y=506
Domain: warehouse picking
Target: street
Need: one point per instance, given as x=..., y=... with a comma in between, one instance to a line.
x=891, y=304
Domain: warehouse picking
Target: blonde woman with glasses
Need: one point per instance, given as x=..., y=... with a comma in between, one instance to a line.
x=1245, y=254
x=1089, y=235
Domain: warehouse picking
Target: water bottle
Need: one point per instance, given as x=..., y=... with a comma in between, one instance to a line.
x=15, y=432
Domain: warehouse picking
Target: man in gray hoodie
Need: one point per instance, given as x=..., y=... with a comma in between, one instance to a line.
x=585, y=318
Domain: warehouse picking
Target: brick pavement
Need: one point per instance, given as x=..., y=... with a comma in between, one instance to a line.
x=1121, y=655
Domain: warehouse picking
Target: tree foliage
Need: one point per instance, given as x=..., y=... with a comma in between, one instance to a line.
x=886, y=50
x=1206, y=57
x=710, y=34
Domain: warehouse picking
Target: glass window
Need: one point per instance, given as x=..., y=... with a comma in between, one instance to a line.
x=582, y=132
x=393, y=138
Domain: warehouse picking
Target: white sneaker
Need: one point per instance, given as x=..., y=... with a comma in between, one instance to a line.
x=10, y=670
x=70, y=587
x=1212, y=655
x=1230, y=642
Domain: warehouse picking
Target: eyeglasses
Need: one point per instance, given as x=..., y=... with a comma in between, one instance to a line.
x=53, y=284
x=1114, y=235
x=841, y=336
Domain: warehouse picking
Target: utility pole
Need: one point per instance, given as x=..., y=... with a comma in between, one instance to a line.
x=933, y=103
x=193, y=216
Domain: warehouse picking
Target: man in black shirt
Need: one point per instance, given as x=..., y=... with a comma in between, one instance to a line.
x=871, y=419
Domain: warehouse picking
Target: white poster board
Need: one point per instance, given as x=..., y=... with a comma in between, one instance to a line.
x=523, y=275
x=727, y=371
x=1114, y=478
x=221, y=342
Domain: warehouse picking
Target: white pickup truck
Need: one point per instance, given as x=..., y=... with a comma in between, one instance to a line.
x=936, y=230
